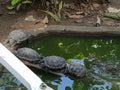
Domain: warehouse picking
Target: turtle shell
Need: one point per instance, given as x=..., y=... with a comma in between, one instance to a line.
x=76, y=70
x=18, y=36
x=28, y=54
x=54, y=62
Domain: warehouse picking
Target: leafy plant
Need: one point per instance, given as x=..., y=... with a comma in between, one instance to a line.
x=59, y=8
x=54, y=9
x=54, y=16
x=17, y=4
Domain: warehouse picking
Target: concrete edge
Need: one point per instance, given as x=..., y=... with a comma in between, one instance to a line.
x=73, y=31
x=78, y=30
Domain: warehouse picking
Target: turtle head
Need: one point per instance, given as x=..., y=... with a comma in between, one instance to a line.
x=66, y=68
x=41, y=58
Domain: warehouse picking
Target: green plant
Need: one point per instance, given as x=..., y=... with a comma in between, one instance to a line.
x=17, y=4
x=54, y=9
x=54, y=16
x=60, y=5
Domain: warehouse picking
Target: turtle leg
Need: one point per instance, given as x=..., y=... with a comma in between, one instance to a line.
x=65, y=69
x=6, y=42
x=12, y=42
x=42, y=65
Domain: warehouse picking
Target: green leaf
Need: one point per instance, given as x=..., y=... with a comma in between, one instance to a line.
x=14, y=2
x=113, y=15
x=26, y=2
x=60, y=5
x=55, y=17
x=18, y=6
x=47, y=3
x=60, y=44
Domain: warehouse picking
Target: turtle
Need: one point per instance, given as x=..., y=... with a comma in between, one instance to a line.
x=17, y=37
x=28, y=54
x=53, y=63
x=76, y=70
x=107, y=69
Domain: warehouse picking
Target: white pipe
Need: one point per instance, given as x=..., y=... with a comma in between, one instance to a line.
x=20, y=71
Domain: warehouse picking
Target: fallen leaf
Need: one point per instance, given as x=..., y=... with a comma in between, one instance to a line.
x=78, y=21
x=96, y=5
x=98, y=22
x=79, y=13
x=75, y=16
x=30, y=18
x=91, y=7
x=45, y=20
x=37, y=21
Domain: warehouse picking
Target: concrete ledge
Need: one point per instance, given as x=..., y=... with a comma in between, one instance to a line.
x=73, y=31
x=79, y=31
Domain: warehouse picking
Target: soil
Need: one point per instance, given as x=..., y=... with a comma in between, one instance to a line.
x=72, y=14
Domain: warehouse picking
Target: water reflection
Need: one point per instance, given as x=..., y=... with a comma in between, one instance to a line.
x=76, y=49
x=9, y=82
x=101, y=84
x=65, y=83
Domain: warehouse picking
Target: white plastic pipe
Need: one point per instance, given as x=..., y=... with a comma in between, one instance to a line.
x=20, y=71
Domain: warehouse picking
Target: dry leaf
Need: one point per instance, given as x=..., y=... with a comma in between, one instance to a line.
x=79, y=13
x=37, y=21
x=75, y=16
x=30, y=18
x=45, y=20
x=98, y=23
x=95, y=5
x=91, y=7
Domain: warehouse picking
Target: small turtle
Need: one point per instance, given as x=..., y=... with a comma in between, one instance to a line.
x=17, y=37
x=107, y=69
x=76, y=70
x=28, y=54
x=53, y=62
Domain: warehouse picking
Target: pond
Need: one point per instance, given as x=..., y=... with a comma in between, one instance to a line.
x=77, y=49
x=8, y=81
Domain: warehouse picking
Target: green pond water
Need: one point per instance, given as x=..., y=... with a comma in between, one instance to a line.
x=76, y=49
